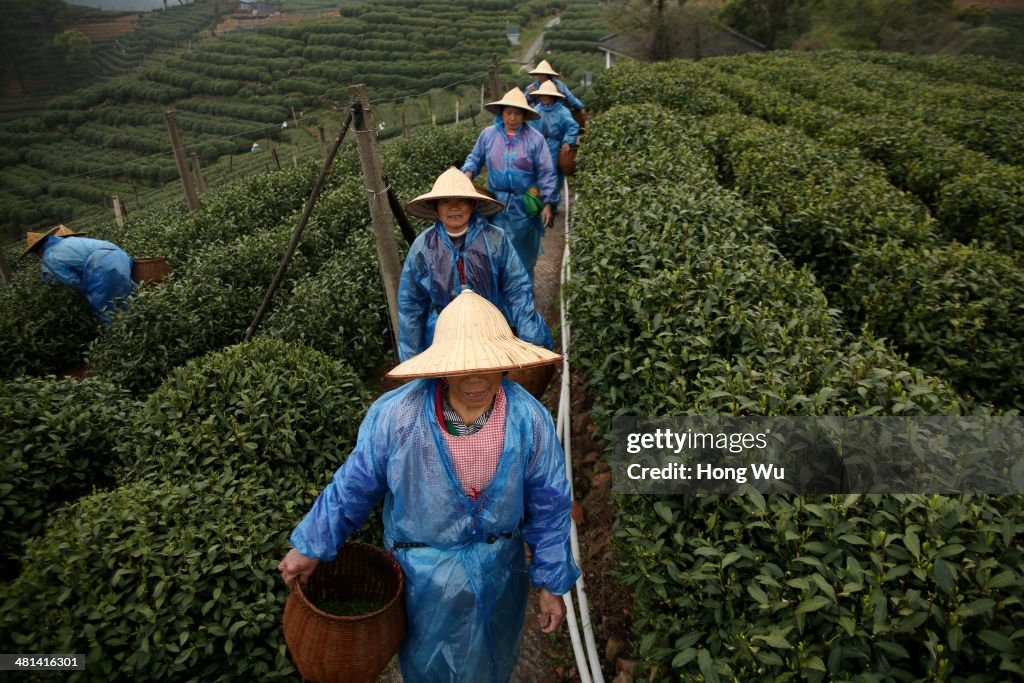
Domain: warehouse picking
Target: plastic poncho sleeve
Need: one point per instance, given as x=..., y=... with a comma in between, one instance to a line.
x=572, y=129
x=547, y=504
x=547, y=178
x=478, y=155
x=346, y=503
x=571, y=100
x=413, y=303
x=517, y=292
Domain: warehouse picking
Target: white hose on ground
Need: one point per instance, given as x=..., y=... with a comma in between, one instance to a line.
x=593, y=671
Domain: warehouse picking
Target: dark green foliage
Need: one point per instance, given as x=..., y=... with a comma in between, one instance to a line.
x=269, y=407
x=162, y=580
x=44, y=328
x=339, y=309
x=57, y=437
x=957, y=310
x=681, y=305
x=827, y=588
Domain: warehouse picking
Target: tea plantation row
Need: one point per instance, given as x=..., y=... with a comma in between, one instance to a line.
x=877, y=250
x=184, y=463
x=682, y=304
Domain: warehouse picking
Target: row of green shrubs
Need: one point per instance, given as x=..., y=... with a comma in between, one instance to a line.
x=972, y=196
x=951, y=307
x=681, y=305
x=172, y=574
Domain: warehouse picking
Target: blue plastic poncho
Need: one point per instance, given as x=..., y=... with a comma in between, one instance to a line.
x=571, y=101
x=99, y=270
x=465, y=596
x=513, y=167
x=431, y=279
x=558, y=127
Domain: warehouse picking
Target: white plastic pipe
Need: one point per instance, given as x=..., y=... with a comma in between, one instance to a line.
x=565, y=432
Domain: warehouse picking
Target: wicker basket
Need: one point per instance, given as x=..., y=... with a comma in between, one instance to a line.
x=151, y=269
x=328, y=648
x=567, y=161
x=535, y=379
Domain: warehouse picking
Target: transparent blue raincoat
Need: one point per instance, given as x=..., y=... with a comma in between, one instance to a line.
x=513, y=167
x=571, y=101
x=558, y=127
x=433, y=275
x=100, y=270
x=466, y=593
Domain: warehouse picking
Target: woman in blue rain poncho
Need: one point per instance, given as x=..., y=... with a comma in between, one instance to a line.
x=557, y=126
x=461, y=250
x=545, y=74
x=97, y=269
x=470, y=468
x=517, y=160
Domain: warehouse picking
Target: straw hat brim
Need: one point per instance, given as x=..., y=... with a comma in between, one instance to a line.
x=551, y=91
x=541, y=71
x=497, y=356
x=472, y=336
x=423, y=206
x=529, y=113
x=33, y=244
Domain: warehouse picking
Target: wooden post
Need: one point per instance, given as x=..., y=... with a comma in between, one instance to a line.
x=179, y=159
x=294, y=243
x=320, y=139
x=295, y=160
x=495, y=81
x=405, y=127
x=118, y=218
x=200, y=180
x=295, y=119
x=5, y=270
x=457, y=104
x=481, y=97
x=277, y=161
x=376, y=196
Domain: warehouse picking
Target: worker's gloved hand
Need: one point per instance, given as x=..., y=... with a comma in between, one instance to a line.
x=295, y=565
x=552, y=611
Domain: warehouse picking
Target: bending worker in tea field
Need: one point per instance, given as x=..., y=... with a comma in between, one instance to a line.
x=461, y=250
x=469, y=467
x=558, y=128
x=99, y=270
x=517, y=161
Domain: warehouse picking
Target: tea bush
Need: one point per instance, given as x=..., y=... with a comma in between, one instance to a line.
x=339, y=310
x=57, y=437
x=161, y=580
x=681, y=305
x=876, y=587
x=957, y=310
x=44, y=328
x=266, y=406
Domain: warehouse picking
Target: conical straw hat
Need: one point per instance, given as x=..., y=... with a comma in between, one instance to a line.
x=451, y=184
x=34, y=239
x=65, y=231
x=471, y=337
x=548, y=88
x=545, y=69
x=513, y=98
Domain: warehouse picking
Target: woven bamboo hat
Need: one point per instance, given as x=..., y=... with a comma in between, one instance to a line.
x=472, y=336
x=545, y=69
x=452, y=184
x=35, y=239
x=513, y=98
x=548, y=88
